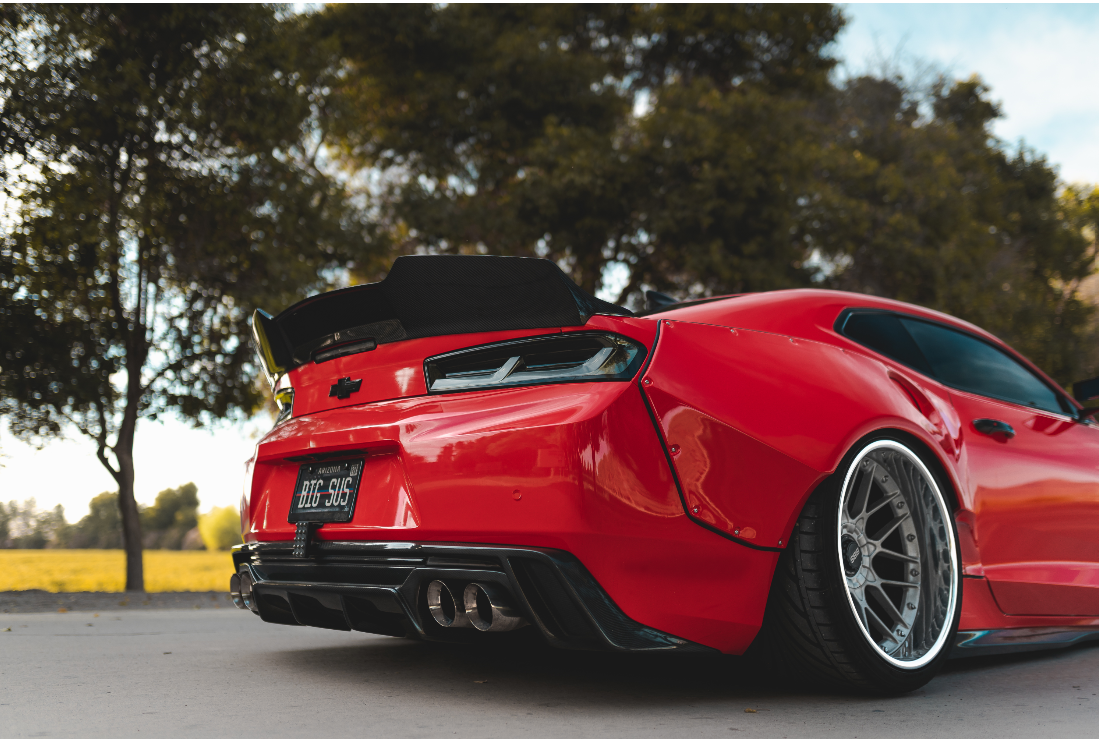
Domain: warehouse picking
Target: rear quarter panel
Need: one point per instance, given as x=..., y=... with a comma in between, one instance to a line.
x=755, y=420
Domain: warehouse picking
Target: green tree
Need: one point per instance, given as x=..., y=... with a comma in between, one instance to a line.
x=704, y=150
x=167, y=520
x=163, y=160
x=101, y=528
x=220, y=528
x=5, y=525
x=669, y=140
x=930, y=208
x=24, y=526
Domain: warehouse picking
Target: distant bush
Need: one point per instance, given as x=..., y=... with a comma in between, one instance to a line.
x=220, y=528
x=164, y=524
x=24, y=526
x=101, y=528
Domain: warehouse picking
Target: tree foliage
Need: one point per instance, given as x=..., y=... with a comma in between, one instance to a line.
x=705, y=150
x=163, y=164
x=101, y=528
x=220, y=528
x=931, y=209
x=165, y=523
x=24, y=526
x=170, y=517
x=515, y=129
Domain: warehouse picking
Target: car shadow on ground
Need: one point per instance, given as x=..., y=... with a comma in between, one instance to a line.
x=525, y=667
x=1017, y=661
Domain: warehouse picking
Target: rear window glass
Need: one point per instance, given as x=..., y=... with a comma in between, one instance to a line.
x=885, y=334
x=966, y=363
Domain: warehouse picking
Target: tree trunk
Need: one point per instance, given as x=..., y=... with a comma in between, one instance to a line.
x=131, y=521
x=136, y=353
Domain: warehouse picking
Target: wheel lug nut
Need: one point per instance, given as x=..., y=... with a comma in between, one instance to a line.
x=915, y=573
x=911, y=537
x=911, y=607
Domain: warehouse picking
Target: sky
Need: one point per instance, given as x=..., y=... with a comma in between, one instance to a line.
x=1039, y=61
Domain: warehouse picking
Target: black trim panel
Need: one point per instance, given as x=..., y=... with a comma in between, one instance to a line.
x=428, y=296
x=981, y=642
x=380, y=587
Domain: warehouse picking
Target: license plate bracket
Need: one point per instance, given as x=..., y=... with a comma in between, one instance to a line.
x=326, y=491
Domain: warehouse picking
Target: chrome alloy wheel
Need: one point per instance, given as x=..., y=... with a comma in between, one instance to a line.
x=897, y=553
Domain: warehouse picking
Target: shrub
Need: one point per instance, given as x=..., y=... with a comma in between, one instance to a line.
x=220, y=528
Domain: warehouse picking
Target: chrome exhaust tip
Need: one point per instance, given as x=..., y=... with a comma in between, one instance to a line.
x=246, y=595
x=488, y=609
x=446, y=611
x=234, y=591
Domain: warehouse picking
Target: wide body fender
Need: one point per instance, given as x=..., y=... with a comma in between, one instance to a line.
x=754, y=421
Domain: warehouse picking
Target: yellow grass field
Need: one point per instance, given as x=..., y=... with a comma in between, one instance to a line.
x=104, y=570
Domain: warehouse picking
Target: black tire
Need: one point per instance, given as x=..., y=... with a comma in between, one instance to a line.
x=821, y=624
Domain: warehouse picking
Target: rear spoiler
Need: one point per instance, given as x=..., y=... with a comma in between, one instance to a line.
x=426, y=296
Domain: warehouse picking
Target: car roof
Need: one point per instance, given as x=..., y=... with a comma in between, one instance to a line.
x=811, y=314
x=799, y=312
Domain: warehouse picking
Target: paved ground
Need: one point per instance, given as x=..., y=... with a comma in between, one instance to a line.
x=222, y=673
x=40, y=601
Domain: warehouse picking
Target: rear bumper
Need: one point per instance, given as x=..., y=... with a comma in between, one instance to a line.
x=575, y=468
x=380, y=588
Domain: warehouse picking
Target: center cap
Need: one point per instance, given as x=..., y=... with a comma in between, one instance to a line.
x=852, y=555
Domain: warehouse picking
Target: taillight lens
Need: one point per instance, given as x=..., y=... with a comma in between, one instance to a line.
x=552, y=359
x=284, y=398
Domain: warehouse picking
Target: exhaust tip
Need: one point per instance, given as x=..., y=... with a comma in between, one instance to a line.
x=246, y=594
x=446, y=611
x=488, y=608
x=234, y=591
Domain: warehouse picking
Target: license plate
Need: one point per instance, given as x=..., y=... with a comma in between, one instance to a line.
x=326, y=492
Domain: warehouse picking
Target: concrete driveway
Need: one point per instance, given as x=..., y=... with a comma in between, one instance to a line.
x=224, y=673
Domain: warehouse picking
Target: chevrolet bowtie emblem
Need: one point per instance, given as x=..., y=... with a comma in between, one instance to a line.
x=345, y=387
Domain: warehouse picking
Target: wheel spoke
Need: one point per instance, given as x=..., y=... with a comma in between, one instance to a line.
x=898, y=583
x=882, y=551
x=862, y=494
x=887, y=604
x=889, y=497
x=888, y=528
x=879, y=624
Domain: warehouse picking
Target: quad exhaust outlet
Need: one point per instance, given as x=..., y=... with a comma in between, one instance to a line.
x=446, y=611
x=240, y=590
x=485, y=607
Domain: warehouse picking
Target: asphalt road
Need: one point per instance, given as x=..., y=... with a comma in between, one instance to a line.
x=224, y=673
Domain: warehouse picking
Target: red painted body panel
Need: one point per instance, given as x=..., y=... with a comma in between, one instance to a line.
x=576, y=467
x=981, y=611
x=756, y=420
x=1036, y=504
x=390, y=371
x=757, y=399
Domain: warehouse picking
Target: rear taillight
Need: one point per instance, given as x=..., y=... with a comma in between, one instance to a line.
x=553, y=359
x=284, y=398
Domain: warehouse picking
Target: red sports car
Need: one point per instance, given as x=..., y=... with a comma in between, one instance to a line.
x=855, y=488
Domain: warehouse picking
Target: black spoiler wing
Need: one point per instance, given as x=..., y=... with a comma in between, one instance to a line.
x=426, y=296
